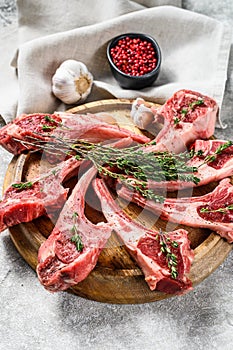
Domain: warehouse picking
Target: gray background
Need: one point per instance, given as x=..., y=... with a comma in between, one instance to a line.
x=32, y=318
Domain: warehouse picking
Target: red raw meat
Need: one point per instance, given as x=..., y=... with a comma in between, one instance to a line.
x=60, y=264
x=144, y=245
x=207, y=172
x=34, y=127
x=44, y=197
x=25, y=128
x=92, y=128
x=213, y=210
x=187, y=116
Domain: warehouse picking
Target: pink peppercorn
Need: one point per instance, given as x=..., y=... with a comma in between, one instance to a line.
x=134, y=56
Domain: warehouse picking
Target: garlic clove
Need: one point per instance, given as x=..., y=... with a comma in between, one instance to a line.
x=141, y=114
x=72, y=82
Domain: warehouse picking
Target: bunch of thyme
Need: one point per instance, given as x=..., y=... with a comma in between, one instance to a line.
x=223, y=210
x=132, y=166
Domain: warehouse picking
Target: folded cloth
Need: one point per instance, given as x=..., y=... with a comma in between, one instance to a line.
x=8, y=77
x=39, y=18
x=42, y=17
x=195, y=50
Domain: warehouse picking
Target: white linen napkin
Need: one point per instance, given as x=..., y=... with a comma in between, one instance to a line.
x=42, y=17
x=195, y=49
x=8, y=76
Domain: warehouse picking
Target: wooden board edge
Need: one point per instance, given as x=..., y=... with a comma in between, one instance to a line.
x=106, y=102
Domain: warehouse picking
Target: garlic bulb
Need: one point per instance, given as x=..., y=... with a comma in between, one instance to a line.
x=72, y=82
x=141, y=113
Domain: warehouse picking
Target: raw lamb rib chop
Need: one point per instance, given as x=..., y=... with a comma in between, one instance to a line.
x=71, y=251
x=213, y=210
x=41, y=197
x=16, y=136
x=27, y=127
x=186, y=116
x=145, y=247
x=207, y=171
x=45, y=195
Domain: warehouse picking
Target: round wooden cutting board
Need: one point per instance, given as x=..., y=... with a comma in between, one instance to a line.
x=116, y=277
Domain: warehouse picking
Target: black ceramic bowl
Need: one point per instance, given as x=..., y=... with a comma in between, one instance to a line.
x=126, y=80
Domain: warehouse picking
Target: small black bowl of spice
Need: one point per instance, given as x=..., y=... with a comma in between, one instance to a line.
x=134, y=59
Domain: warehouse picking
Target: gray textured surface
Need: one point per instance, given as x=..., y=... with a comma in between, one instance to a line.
x=31, y=318
x=8, y=12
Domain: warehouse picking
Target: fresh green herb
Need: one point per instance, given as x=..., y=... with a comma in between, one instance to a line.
x=174, y=244
x=212, y=157
x=134, y=166
x=225, y=145
x=184, y=111
x=25, y=185
x=176, y=120
x=49, y=119
x=193, y=104
x=76, y=239
x=171, y=258
x=144, y=166
x=47, y=127
x=69, y=153
x=140, y=187
x=223, y=210
x=199, y=152
x=75, y=215
x=133, y=184
x=22, y=185
x=151, y=143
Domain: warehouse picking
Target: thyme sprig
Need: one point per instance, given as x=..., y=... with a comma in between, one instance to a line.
x=222, y=210
x=76, y=239
x=22, y=185
x=212, y=157
x=58, y=125
x=49, y=119
x=165, y=243
x=135, y=163
x=195, y=103
x=133, y=184
x=48, y=127
x=184, y=111
x=28, y=184
x=144, y=166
